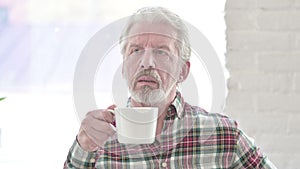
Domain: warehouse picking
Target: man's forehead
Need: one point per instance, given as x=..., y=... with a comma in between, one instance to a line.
x=155, y=29
x=150, y=38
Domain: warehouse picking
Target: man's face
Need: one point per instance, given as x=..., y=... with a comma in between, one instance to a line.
x=151, y=63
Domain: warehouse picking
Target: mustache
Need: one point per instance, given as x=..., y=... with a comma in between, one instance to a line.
x=148, y=72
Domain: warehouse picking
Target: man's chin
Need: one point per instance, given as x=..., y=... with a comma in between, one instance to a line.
x=144, y=88
x=149, y=97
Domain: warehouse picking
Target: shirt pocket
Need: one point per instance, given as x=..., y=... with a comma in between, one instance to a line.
x=193, y=161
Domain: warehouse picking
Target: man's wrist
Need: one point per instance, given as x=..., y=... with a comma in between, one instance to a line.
x=80, y=158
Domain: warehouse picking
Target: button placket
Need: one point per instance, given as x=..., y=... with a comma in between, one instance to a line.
x=164, y=164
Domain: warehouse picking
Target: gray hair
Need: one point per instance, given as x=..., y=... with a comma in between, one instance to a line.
x=160, y=15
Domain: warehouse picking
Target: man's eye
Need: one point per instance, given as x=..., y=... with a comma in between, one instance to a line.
x=161, y=52
x=136, y=51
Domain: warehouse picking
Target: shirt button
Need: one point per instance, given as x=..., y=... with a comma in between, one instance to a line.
x=92, y=160
x=164, y=164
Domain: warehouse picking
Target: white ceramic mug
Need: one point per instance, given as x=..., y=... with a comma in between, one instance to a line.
x=136, y=125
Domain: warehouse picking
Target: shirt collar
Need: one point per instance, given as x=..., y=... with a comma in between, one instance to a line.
x=175, y=108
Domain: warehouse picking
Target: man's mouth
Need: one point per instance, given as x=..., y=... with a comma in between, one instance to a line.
x=147, y=80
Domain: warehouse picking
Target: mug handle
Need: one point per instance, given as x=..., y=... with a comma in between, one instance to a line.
x=113, y=112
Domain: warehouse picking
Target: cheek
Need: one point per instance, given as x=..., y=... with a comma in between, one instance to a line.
x=129, y=70
x=167, y=80
x=171, y=68
x=171, y=74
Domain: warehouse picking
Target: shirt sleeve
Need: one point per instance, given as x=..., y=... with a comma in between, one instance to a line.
x=247, y=155
x=79, y=158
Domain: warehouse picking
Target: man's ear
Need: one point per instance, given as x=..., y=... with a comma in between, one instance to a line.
x=185, y=70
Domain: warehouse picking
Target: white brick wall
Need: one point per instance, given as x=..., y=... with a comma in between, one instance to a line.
x=263, y=59
x=275, y=4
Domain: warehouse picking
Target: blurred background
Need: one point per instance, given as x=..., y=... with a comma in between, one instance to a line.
x=40, y=42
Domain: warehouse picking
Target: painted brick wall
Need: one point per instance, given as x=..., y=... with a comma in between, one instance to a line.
x=263, y=59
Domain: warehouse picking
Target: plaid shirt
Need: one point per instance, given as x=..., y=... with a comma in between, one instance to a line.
x=190, y=138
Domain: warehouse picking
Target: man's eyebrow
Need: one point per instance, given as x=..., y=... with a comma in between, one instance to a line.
x=163, y=47
x=134, y=45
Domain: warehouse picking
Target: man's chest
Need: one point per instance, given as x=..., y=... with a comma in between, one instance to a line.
x=188, y=152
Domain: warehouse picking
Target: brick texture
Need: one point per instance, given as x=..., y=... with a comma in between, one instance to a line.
x=241, y=4
x=296, y=83
x=263, y=59
x=283, y=20
x=245, y=21
x=297, y=2
x=275, y=4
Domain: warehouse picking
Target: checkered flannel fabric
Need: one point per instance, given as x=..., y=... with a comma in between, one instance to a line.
x=190, y=138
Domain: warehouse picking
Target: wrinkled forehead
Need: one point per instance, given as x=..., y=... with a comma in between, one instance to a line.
x=161, y=29
x=150, y=40
x=151, y=35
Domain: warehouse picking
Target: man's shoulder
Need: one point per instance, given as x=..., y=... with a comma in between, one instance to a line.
x=217, y=120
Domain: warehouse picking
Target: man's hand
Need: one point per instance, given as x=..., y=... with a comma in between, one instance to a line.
x=95, y=129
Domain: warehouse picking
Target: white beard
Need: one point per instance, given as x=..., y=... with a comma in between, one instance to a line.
x=149, y=96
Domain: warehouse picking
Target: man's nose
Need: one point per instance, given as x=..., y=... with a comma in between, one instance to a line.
x=147, y=60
